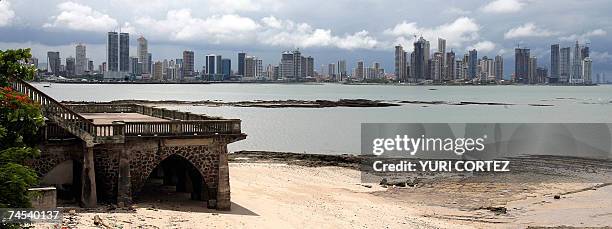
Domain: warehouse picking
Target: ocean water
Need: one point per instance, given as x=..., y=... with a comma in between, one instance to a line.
x=337, y=130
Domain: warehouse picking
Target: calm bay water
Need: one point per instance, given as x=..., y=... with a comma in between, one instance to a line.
x=337, y=130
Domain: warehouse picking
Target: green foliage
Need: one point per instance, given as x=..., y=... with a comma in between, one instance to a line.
x=15, y=63
x=20, y=119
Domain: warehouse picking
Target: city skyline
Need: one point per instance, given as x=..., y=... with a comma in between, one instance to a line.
x=492, y=27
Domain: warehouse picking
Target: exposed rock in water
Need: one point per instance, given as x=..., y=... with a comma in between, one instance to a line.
x=261, y=103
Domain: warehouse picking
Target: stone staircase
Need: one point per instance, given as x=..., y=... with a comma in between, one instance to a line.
x=58, y=113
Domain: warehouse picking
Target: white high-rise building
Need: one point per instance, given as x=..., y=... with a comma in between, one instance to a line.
x=587, y=70
x=143, y=54
x=81, y=60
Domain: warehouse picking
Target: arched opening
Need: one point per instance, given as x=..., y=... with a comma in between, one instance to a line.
x=174, y=179
x=66, y=178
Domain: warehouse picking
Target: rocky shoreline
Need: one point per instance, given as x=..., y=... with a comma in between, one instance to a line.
x=291, y=103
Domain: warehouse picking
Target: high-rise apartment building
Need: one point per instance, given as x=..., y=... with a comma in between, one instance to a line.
x=250, y=68
x=226, y=68
x=359, y=71
x=473, y=64
x=331, y=71
x=437, y=67
x=532, y=71
x=521, y=65
x=420, y=59
x=341, y=71
x=287, y=66
x=555, y=63
x=142, y=51
x=400, y=64
x=310, y=66
x=487, y=68
x=442, y=49
x=241, y=57
x=158, y=71
x=80, y=60
x=565, y=68
x=450, y=66
x=587, y=70
x=499, y=67
x=54, y=62
x=124, y=52
x=112, y=52
x=70, y=67
x=188, y=64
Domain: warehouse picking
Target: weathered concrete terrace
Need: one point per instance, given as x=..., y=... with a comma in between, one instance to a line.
x=92, y=151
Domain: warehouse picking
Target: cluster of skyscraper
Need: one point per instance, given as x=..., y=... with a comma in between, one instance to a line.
x=338, y=71
x=294, y=66
x=567, y=70
x=421, y=66
x=564, y=69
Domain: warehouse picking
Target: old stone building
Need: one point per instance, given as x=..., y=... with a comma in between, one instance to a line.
x=108, y=152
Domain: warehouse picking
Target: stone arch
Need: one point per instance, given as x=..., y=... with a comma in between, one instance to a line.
x=204, y=158
x=66, y=178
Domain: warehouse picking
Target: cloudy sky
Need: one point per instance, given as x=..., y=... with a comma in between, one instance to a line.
x=326, y=29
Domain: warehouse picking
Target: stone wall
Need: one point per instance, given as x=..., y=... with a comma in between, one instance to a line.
x=106, y=162
x=53, y=154
x=146, y=155
x=143, y=156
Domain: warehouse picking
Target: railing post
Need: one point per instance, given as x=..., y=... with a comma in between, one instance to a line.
x=118, y=129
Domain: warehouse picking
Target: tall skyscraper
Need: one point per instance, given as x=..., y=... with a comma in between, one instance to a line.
x=212, y=65
x=577, y=63
x=149, y=62
x=188, y=64
x=142, y=51
x=226, y=68
x=450, y=66
x=241, y=57
x=135, y=66
x=90, y=66
x=259, y=73
x=532, y=72
x=70, y=67
x=112, y=52
x=124, y=52
x=359, y=71
x=421, y=58
x=521, y=65
x=54, y=62
x=293, y=66
x=400, y=64
x=587, y=70
x=541, y=75
x=487, y=68
x=555, y=63
x=81, y=60
x=310, y=66
x=297, y=64
x=331, y=71
x=340, y=72
x=286, y=66
x=499, y=67
x=442, y=49
x=437, y=67
x=565, y=65
x=158, y=70
x=250, y=68
x=473, y=64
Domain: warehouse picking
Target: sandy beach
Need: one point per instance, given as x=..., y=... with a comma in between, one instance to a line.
x=281, y=195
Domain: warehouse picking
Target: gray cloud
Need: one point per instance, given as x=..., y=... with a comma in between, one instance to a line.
x=365, y=29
